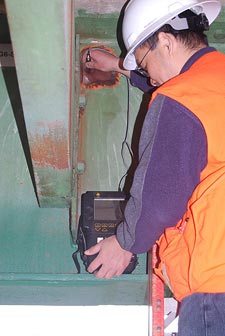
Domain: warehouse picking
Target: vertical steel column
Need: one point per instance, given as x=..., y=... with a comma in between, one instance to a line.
x=42, y=34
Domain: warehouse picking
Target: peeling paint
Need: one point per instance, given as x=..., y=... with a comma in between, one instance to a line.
x=50, y=147
x=96, y=79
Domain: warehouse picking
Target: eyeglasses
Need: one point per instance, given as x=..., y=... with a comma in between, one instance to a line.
x=141, y=70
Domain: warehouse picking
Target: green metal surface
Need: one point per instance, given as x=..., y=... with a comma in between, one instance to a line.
x=32, y=240
x=101, y=26
x=42, y=35
x=76, y=292
x=105, y=125
x=36, y=265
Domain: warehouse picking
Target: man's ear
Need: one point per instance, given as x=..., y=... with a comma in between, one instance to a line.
x=167, y=42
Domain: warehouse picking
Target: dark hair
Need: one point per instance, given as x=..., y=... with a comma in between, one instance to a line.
x=189, y=38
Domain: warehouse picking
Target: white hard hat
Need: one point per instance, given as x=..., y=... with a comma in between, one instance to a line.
x=144, y=17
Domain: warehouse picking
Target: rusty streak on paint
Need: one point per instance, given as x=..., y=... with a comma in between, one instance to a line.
x=49, y=148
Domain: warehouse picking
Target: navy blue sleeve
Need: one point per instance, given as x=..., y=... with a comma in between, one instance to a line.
x=173, y=152
x=141, y=82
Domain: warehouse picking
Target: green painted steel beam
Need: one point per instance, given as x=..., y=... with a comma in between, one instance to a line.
x=76, y=291
x=36, y=265
x=42, y=34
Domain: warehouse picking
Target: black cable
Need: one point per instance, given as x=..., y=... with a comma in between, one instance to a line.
x=125, y=143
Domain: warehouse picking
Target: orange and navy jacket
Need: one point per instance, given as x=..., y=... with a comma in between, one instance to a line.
x=192, y=253
x=180, y=175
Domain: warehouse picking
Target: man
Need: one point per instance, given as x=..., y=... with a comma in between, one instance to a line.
x=179, y=185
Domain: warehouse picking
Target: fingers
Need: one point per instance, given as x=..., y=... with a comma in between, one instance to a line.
x=93, y=250
x=92, y=65
x=95, y=266
x=111, y=259
x=106, y=273
x=96, y=263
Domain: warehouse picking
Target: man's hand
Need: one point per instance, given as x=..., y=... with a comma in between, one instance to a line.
x=112, y=258
x=104, y=61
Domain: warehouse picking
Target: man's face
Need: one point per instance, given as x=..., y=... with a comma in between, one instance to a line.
x=158, y=62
